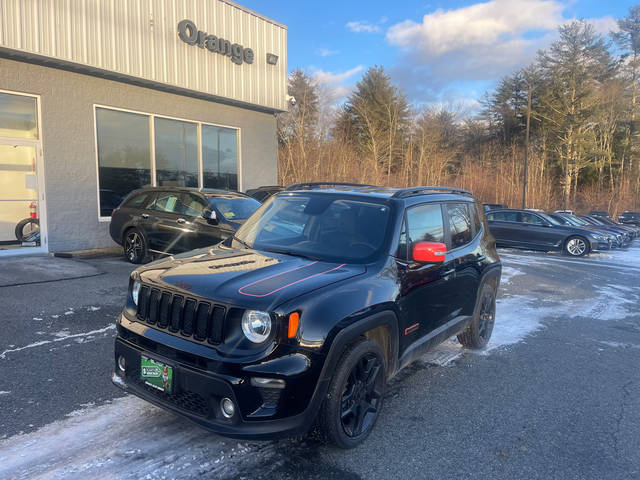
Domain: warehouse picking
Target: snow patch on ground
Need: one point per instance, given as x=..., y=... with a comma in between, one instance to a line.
x=126, y=439
x=60, y=336
x=2, y=392
x=508, y=273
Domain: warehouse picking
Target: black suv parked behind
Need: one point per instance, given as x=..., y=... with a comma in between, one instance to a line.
x=166, y=220
x=317, y=300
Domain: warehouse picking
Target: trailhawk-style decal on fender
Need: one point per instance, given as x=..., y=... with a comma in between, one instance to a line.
x=279, y=281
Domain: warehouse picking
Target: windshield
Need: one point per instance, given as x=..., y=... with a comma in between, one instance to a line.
x=575, y=220
x=238, y=208
x=330, y=228
x=549, y=219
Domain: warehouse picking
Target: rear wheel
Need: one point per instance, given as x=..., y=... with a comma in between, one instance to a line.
x=355, y=395
x=478, y=333
x=135, y=246
x=576, y=246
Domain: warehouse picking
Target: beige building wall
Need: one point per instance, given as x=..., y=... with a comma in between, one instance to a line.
x=68, y=141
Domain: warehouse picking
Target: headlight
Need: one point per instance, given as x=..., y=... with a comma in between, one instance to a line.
x=135, y=291
x=256, y=325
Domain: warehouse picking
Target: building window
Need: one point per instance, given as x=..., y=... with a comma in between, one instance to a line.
x=124, y=157
x=220, y=157
x=126, y=162
x=18, y=116
x=176, y=153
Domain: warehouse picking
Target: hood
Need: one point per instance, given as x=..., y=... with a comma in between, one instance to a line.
x=246, y=278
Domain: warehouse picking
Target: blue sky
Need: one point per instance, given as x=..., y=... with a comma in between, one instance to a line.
x=437, y=52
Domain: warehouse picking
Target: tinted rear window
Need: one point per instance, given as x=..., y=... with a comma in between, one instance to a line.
x=459, y=224
x=141, y=200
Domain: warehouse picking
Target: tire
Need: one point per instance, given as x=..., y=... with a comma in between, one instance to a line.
x=355, y=395
x=478, y=333
x=32, y=225
x=576, y=246
x=135, y=246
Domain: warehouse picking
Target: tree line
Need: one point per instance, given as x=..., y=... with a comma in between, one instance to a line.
x=572, y=115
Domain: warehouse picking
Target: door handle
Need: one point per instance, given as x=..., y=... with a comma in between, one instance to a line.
x=181, y=220
x=145, y=215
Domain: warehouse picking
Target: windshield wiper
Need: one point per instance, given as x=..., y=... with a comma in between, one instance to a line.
x=244, y=244
x=293, y=253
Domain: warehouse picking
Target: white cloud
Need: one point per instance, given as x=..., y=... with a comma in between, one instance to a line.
x=482, y=24
x=325, y=78
x=335, y=86
x=604, y=25
x=360, y=26
x=325, y=52
x=478, y=42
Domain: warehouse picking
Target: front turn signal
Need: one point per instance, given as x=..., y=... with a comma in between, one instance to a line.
x=294, y=320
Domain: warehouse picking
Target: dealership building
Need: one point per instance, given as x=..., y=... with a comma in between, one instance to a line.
x=98, y=98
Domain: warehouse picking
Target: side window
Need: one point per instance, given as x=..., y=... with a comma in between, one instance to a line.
x=459, y=224
x=531, y=218
x=191, y=205
x=140, y=200
x=403, y=251
x=478, y=211
x=423, y=224
x=166, y=202
x=503, y=216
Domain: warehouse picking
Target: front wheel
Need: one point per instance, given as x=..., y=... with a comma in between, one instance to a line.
x=355, y=395
x=576, y=247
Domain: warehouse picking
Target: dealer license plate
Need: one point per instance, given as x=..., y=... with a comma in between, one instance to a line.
x=156, y=374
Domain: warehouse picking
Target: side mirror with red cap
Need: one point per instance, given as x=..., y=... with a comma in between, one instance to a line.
x=429, y=252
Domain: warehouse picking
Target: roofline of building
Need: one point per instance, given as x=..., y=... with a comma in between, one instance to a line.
x=33, y=58
x=252, y=12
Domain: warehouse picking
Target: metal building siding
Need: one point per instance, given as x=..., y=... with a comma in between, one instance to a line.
x=139, y=38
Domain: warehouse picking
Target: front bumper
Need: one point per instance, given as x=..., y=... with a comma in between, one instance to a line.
x=201, y=384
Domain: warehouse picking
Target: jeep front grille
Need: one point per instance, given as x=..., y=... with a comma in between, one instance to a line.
x=177, y=313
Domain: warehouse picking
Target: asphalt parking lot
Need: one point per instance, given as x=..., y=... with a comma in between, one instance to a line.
x=556, y=394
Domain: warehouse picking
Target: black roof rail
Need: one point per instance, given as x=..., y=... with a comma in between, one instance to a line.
x=408, y=192
x=310, y=185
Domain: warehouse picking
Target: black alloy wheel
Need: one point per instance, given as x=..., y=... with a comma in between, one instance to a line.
x=487, y=316
x=135, y=247
x=478, y=333
x=361, y=396
x=355, y=395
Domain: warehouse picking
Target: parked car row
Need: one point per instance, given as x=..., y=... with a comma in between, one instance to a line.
x=574, y=235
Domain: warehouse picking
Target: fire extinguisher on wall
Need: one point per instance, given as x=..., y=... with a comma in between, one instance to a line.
x=33, y=210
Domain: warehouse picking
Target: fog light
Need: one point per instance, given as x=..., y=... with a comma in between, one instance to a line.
x=227, y=407
x=267, y=382
x=121, y=363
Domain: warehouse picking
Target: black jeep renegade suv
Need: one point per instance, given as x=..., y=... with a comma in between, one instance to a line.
x=323, y=294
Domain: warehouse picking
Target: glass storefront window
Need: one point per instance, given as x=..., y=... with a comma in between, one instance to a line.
x=125, y=162
x=18, y=116
x=219, y=157
x=176, y=153
x=124, y=158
